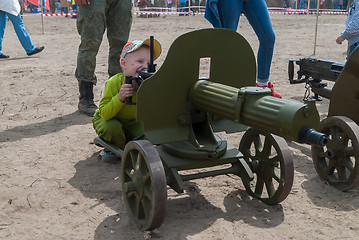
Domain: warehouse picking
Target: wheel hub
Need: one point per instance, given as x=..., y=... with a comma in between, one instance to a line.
x=256, y=166
x=136, y=185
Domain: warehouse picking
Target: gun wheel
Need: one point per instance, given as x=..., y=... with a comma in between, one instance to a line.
x=144, y=184
x=271, y=161
x=337, y=162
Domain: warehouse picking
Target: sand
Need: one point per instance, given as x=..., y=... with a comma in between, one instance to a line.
x=53, y=184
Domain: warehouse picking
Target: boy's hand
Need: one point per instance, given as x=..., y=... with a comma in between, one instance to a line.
x=126, y=91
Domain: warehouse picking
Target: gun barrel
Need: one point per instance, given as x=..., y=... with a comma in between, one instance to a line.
x=255, y=107
x=312, y=137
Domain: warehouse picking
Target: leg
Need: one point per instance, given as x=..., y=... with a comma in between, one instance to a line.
x=91, y=27
x=52, y=6
x=258, y=16
x=230, y=13
x=3, y=19
x=182, y=5
x=119, y=20
x=111, y=131
x=132, y=129
x=21, y=33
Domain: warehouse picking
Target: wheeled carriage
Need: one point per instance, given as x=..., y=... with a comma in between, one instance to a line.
x=182, y=114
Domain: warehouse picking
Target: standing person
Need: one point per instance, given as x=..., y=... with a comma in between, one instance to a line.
x=44, y=6
x=351, y=33
x=11, y=9
x=64, y=7
x=286, y=3
x=313, y=4
x=294, y=4
x=303, y=4
x=182, y=6
x=22, y=8
x=337, y=4
x=94, y=17
x=52, y=6
x=169, y=5
x=225, y=14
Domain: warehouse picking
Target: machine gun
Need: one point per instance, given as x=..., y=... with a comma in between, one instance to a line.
x=182, y=114
x=338, y=162
x=312, y=71
x=143, y=74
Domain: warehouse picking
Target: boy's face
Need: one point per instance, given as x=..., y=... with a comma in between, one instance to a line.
x=135, y=61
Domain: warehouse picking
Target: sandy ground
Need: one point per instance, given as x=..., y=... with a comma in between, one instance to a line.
x=53, y=184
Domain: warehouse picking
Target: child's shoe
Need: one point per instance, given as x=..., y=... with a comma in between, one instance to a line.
x=109, y=156
x=270, y=85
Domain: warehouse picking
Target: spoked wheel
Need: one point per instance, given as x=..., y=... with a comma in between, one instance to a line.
x=338, y=162
x=271, y=161
x=144, y=184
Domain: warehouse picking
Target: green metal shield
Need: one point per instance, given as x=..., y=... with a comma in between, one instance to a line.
x=162, y=103
x=344, y=99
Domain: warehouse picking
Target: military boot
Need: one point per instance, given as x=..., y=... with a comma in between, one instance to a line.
x=86, y=104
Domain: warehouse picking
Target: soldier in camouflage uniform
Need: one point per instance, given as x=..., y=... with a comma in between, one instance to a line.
x=94, y=17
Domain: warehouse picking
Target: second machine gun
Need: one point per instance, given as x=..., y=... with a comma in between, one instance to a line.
x=338, y=162
x=312, y=71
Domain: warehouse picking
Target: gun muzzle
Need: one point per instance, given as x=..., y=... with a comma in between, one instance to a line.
x=312, y=137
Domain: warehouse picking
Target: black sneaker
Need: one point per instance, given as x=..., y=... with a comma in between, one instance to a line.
x=4, y=56
x=37, y=50
x=110, y=157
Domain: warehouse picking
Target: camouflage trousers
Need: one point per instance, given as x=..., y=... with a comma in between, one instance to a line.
x=115, y=16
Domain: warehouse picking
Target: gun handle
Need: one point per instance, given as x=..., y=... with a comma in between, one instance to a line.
x=128, y=100
x=291, y=70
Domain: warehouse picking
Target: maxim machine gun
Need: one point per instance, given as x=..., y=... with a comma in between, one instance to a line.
x=312, y=71
x=338, y=162
x=182, y=114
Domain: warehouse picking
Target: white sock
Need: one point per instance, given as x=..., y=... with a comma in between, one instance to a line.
x=262, y=84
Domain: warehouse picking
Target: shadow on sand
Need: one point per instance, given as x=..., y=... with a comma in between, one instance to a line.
x=37, y=129
x=187, y=214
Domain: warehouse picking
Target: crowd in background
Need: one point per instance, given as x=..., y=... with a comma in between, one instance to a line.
x=48, y=6
x=303, y=4
x=67, y=6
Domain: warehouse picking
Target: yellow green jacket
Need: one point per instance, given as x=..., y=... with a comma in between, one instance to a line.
x=111, y=106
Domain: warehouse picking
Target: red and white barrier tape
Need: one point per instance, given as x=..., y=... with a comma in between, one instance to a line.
x=166, y=13
x=165, y=9
x=59, y=14
x=310, y=12
x=135, y=13
x=306, y=11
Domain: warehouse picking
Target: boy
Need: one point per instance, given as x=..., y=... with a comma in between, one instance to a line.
x=114, y=120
